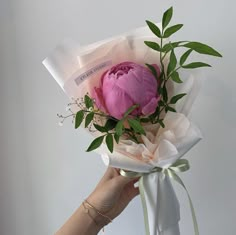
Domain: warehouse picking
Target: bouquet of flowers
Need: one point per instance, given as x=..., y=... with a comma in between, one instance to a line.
x=131, y=94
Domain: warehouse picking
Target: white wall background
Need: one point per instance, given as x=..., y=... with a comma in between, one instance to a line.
x=44, y=172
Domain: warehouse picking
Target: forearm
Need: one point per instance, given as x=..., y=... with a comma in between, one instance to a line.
x=80, y=223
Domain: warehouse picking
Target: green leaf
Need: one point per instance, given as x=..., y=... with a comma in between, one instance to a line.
x=95, y=144
x=154, y=28
x=175, y=98
x=171, y=109
x=100, y=128
x=161, y=123
x=130, y=110
x=171, y=30
x=171, y=45
x=145, y=120
x=161, y=79
x=119, y=128
x=136, y=126
x=175, y=77
x=161, y=103
x=185, y=56
x=79, y=118
x=88, y=102
x=155, y=46
x=202, y=48
x=155, y=114
x=167, y=17
x=88, y=119
x=195, y=65
x=173, y=62
x=110, y=124
x=109, y=142
x=117, y=138
x=153, y=70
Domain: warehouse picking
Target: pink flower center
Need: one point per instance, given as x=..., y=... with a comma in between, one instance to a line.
x=120, y=70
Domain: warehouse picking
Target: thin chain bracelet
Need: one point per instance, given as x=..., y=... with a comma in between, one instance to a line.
x=86, y=210
x=86, y=203
x=97, y=211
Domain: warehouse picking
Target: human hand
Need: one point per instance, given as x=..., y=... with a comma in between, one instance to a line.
x=110, y=197
x=113, y=193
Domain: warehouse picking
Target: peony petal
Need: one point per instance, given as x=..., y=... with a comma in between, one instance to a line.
x=140, y=84
x=99, y=101
x=151, y=106
x=117, y=102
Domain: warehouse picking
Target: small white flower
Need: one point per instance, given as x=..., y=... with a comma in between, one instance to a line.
x=60, y=123
x=67, y=108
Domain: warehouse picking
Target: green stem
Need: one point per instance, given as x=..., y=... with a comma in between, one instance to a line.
x=158, y=117
x=173, y=72
x=132, y=135
x=161, y=58
x=96, y=113
x=101, y=115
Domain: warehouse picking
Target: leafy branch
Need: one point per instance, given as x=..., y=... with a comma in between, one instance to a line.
x=113, y=128
x=174, y=65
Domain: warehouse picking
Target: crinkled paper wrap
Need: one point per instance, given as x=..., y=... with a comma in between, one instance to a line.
x=78, y=70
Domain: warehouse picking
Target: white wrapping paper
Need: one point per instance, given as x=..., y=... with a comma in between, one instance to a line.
x=78, y=70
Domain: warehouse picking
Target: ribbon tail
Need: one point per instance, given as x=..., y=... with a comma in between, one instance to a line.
x=160, y=205
x=174, y=176
x=144, y=204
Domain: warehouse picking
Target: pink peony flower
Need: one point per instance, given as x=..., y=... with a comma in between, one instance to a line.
x=125, y=85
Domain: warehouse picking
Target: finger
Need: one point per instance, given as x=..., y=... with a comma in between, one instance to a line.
x=131, y=191
x=136, y=180
x=117, y=171
x=107, y=176
x=109, y=172
x=134, y=192
x=132, y=183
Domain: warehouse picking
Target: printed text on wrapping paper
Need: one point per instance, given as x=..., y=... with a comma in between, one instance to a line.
x=91, y=71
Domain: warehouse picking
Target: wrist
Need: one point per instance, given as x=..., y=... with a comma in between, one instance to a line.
x=99, y=218
x=92, y=224
x=79, y=223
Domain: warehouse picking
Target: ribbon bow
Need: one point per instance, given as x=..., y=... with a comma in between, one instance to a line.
x=180, y=165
